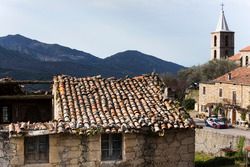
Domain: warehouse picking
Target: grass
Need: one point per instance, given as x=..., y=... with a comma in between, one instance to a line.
x=206, y=160
x=202, y=157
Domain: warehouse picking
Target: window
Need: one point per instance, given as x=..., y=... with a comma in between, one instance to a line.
x=215, y=40
x=246, y=60
x=215, y=54
x=5, y=114
x=220, y=92
x=204, y=90
x=111, y=147
x=36, y=149
x=203, y=108
x=234, y=97
x=37, y=110
x=226, y=40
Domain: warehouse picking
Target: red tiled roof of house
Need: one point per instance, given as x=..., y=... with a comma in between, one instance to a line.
x=235, y=57
x=240, y=75
x=94, y=104
x=246, y=49
x=117, y=105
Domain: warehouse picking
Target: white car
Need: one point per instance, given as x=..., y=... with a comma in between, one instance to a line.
x=220, y=123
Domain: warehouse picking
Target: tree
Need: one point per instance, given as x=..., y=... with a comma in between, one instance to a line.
x=196, y=74
x=207, y=71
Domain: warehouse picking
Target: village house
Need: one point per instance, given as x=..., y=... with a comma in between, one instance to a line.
x=228, y=95
x=94, y=121
x=242, y=57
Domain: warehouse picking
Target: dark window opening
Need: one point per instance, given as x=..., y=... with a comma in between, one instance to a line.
x=220, y=92
x=215, y=40
x=5, y=114
x=226, y=40
x=25, y=110
x=204, y=90
x=246, y=60
x=111, y=147
x=215, y=54
x=36, y=149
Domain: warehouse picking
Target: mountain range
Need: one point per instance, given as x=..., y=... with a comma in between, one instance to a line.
x=24, y=58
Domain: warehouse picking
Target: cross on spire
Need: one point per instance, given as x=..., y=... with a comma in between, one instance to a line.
x=222, y=6
x=222, y=23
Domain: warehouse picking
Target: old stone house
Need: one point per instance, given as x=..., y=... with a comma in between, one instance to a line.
x=242, y=57
x=94, y=121
x=229, y=93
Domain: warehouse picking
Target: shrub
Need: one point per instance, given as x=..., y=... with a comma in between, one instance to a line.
x=243, y=116
x=240, y=153
x=188, y=104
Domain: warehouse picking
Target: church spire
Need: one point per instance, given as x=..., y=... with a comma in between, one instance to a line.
x=222, y=23
x=222, y=39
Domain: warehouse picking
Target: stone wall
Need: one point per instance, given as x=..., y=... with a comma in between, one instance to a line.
x=175, y=148
x=6, y=150
x=210, y=141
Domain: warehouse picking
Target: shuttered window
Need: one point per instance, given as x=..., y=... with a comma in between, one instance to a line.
x=37, y=149
x=220, y=92
x=111, y=147
x=204, y=90
x=5, y=114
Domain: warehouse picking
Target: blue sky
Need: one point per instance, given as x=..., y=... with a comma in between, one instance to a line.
x=173, y=30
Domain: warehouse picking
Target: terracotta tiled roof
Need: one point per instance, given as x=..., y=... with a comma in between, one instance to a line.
x=246, y=49
x=113, y=105
x=240, y=75
x=94, y=104
x=235, y=57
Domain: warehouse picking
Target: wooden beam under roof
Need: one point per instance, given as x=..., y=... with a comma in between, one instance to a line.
x=25, y=97
x=26, y=82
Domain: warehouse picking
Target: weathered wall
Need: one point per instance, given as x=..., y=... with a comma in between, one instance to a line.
x=176, y=148
x=210, y=141
x=6, y=150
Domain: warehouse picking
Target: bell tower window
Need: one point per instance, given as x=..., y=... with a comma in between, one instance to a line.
x=215, y=40
x=246, y=60
x=215, y=54
x=226, y=40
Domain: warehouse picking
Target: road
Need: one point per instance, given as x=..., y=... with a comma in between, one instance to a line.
x=229, y=131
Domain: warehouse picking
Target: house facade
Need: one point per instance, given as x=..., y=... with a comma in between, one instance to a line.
x=242, y=57
x=228, y=95
x=94, y=121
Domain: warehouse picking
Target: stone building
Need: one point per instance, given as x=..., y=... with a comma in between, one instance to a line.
x=97, y=122
x=242, y=57
x=222, y=40
x=229, y=94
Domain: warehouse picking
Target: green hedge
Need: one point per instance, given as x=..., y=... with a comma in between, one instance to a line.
x=188, y=104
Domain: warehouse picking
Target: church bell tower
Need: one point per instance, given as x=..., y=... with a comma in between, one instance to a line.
x=222, y=39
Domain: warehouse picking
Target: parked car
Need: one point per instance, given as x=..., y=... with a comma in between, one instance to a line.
x=220, y=123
